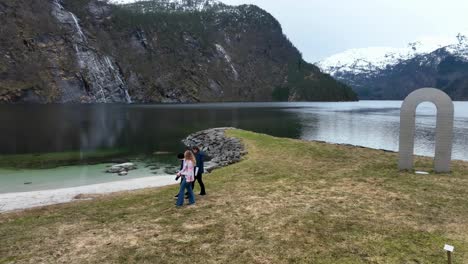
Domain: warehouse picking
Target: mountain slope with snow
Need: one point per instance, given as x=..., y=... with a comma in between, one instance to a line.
x=172, y=5
x=368, y=60
x=392, y=73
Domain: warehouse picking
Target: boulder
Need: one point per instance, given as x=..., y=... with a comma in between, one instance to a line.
x=118, y=168
x=221, y=150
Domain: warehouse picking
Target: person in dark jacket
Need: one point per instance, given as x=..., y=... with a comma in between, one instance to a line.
x=199, y=156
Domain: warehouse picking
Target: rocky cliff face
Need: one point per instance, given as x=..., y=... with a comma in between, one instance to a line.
x=392, y=74
x=89, y=51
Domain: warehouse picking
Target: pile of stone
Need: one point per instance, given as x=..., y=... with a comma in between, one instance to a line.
x=122, y=169
x=220, y=149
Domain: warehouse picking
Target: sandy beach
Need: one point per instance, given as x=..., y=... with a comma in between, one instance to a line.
x=24, y=200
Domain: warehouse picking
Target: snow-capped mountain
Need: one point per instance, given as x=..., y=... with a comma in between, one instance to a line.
x=173, y=5
x=459, y=49
x=391, y=73
x=369, y=60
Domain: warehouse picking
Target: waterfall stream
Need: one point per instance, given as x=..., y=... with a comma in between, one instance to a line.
x=58, y=5
x=228, y=60
x=78, y=28
x=100, y=71
x=111, y=66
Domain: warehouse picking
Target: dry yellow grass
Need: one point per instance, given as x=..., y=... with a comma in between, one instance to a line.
x=288, y=201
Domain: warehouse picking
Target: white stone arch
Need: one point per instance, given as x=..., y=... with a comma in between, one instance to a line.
x=444, y=128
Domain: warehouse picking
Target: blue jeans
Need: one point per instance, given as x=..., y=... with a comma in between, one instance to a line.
x=185, y=185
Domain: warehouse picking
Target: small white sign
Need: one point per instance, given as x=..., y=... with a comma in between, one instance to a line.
x=422, y=173
x=449, y=248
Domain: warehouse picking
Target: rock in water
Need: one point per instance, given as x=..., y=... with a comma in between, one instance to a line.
x=123, y=173
x=122, y=167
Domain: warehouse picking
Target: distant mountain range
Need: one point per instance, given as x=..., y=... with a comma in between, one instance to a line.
x=90, y=51
x=148, y=6
x=391, y=73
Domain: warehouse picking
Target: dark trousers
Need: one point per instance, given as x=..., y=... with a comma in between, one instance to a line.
x=199, y=179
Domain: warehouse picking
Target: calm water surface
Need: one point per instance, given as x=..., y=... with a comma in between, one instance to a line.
x=141, y=129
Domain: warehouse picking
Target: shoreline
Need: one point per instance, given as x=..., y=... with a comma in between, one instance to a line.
x=225, y=151
x=17, y=201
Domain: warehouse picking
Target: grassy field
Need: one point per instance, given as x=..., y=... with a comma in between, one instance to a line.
x=289, y=201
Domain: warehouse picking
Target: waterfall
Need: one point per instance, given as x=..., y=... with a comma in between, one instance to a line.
x=98, y=71
x=128, y=99
x=78, y=28
x=80, y=60
x=228, y=59
x=76, y=23
x=57, y=3
x=81, y=36
x=103, y=94
x=108, y=61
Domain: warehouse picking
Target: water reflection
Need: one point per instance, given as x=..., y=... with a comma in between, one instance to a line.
x=376, y=124
x=370, y=129
x=137, y=129
x=149, y=128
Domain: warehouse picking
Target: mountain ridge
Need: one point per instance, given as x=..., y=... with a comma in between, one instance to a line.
x=394, y=73
x=88, y=51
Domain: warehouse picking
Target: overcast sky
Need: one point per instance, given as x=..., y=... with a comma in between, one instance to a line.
x=320, y=28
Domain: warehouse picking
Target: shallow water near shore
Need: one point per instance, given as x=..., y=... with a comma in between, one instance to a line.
x=68, y=176
x=146, y=129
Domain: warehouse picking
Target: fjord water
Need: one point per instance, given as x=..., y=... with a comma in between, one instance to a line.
x=145, y=129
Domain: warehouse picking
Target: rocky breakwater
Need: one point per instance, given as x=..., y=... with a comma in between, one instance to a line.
x=221, y=150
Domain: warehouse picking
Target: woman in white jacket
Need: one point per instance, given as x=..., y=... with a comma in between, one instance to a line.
x=188, y=176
